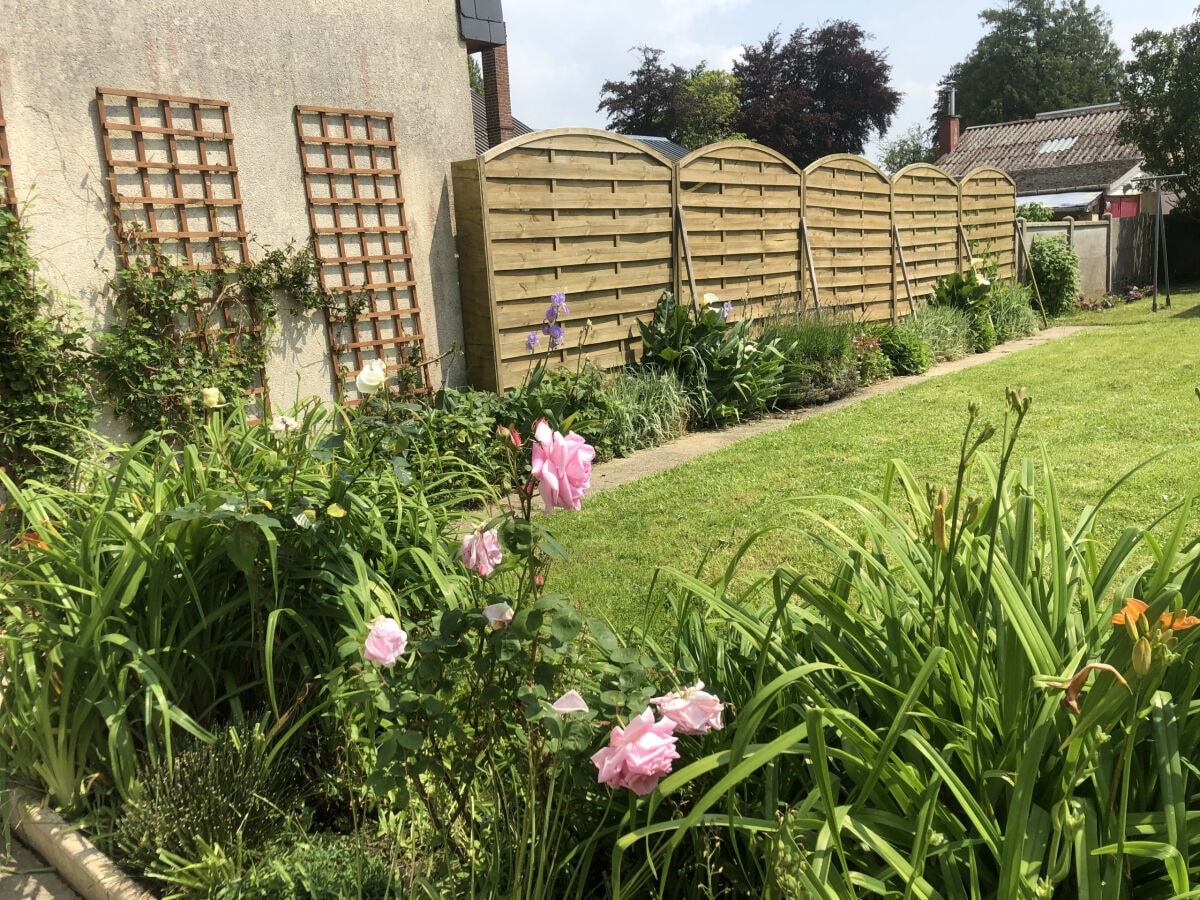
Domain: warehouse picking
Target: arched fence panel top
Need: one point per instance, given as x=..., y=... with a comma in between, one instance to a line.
x=741, y=205
x=581, y=212
x=925, y=202
x=988, y=199
x=848, y=220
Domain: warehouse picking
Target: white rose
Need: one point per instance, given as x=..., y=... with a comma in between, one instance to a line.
x=372, y=377
x=211, y=397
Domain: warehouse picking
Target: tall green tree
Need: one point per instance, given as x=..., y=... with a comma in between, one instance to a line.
x=906, y=148
x=1162, y=93
x=820, y=92
x=1035, y=56
x=708, y=108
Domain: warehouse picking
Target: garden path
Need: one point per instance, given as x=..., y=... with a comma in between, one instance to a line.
x=25, y=875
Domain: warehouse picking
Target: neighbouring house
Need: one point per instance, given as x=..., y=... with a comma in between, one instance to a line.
x=218, y=125
x=1071, y=160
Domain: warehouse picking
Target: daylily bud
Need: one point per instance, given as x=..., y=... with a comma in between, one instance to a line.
x=942, y=498
x=1131, y=628
x=974, y=408
x=1143, y=653
x=973, y=506
x=988, y=430
x=939, y=527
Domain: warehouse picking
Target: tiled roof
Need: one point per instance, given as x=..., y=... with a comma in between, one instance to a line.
x=1072, y=149
x=479, y=113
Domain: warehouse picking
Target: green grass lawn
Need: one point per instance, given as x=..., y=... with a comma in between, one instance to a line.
x=1103, y=401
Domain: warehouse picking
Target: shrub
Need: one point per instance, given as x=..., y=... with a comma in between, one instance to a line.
x=872, y=363
x=646, y=406
x=728, y=375
x=818, y=357
x=905, y=348
x=1034, y=212
x=1056, y=268
x=1012, y=312
x=946, y=330
x=45, y=403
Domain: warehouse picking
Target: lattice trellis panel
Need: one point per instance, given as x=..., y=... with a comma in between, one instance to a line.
x=173, y=184
x=8, y=195
x=988, y=200
x=741, y=207
x=360, y=237
x=848, y=208
x=925, y=210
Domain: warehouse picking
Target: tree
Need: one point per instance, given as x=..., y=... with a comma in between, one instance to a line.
x=908, y=147
x=1162, y=93
x=475, y=74
x=821, y=92
x=708, y=108
x=649, y=103
x=1036, y=56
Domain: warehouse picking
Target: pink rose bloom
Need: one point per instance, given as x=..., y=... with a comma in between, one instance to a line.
x=638, y=755
x=562, y=465
x=386, y=641
x=569, y=702
x=693, y=710
x=481, y=550
x=498, y=615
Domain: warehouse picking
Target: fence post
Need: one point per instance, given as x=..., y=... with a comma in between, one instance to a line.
x=1108, y=252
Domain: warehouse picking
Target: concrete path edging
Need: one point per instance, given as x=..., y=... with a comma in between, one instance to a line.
x=88, y=871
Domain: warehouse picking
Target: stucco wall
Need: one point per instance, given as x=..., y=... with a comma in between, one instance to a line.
x=1092, y=243
x=262, y=57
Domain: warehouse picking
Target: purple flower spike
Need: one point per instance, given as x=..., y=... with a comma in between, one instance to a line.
x=556, y=336
x=726, y=309
x=532, y=341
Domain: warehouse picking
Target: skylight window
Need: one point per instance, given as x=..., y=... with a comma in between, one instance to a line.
x=1055, y=144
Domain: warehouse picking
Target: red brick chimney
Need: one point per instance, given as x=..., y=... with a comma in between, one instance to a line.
x=496, y=96
x=948, y=125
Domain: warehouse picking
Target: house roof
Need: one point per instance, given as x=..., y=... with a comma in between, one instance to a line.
x=1066, y=150
x=665, y=146
x=479, y=113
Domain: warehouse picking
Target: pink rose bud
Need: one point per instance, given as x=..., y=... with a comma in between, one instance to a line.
x=693, y=710
x=568, y=703
x=539, y=579
x=386, y=642
x=481, y=550
x=638, y=755
x=562, y=465
x=499, y=615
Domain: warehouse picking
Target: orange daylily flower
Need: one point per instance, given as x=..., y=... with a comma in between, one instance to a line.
x=1178, y=621
x=1130, y=612
x=1168, y=621
x=1073, y=687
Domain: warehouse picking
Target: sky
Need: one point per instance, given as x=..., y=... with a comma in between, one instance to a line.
x=561, y=51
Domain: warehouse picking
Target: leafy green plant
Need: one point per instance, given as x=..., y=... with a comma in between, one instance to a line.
x=1034, y=212
x=45, y=402
x=728, y=375
x=1056, y=268
x=905, y=348
x=1012, y=311
x=946, y=330
x=818, y=358
x=870, y=360
x=177, y=331
x=186, y=582
x=971, y=293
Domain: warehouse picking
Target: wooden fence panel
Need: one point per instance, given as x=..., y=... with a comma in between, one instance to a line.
x=741, y=208
x=583, y=212
x=848, y=211
x=925, y=211
x=988, y=210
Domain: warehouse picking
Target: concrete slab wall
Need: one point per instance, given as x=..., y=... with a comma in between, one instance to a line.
x=1092, y=242
x=263, y=58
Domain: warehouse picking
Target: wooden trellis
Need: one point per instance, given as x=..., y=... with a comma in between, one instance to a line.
x=8, y=194
x=173, y=184
x=361, y=241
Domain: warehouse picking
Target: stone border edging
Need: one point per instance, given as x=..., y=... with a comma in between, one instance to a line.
x=63, y=846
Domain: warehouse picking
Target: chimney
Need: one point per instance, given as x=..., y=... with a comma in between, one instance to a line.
x=495, y=94
x=948, y=126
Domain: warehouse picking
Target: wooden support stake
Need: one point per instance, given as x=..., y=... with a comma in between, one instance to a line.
x=962, y=236
x=812, y=268
x=687, y=251
x=1024, y=254
x=912, y=306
